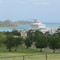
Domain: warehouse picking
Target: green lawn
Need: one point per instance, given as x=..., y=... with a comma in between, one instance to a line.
x=31, y=57
x=32, y=54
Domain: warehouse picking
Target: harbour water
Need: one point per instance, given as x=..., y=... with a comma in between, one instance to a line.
x=52, y=25
x=27, y=27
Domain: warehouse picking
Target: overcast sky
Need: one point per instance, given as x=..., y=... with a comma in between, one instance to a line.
x=43, y=10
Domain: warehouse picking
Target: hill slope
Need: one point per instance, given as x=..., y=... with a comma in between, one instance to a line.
x=8, y=23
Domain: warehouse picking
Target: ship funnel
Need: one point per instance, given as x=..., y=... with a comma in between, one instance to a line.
x=35, y=20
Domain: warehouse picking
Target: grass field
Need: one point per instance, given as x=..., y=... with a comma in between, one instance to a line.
x=29, y=54
x=31, y=57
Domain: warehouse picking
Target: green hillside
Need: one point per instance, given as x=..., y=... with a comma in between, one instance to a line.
x=8, y=23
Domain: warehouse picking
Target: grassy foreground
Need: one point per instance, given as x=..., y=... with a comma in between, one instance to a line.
x=31, y=57
x=32, y=54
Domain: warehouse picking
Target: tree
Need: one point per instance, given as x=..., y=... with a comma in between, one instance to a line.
x=15, y=32
x=9, y=42
x=54, y=42
x=2, y=38
x=28, y=42
x=41, y=42
x=37, y=34
x=8, y=33
x=30, y=34
x=58, y=31
x=17, y=41
x=47, y=33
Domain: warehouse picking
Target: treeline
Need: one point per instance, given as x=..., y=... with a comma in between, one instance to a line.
x=36, y=38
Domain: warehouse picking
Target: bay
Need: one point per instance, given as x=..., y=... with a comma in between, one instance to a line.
x=27, y=27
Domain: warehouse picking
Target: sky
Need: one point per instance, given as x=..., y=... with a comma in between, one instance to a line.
x=27, y=10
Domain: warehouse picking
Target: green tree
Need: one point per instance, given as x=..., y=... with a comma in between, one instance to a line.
x=58, y=31
x=54, y=42
x=28, y=42
x=47, y=33
x=15, y=32
x=30, y=34
x=17, y=41
x=41, y=42
x=37, y=33
x=9, y=42
x=8, y=33
x=1, y=39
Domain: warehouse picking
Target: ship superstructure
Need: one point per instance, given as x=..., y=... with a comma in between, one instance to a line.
x=37, y=25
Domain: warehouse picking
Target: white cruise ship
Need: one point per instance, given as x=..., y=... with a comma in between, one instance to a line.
x=38, y=25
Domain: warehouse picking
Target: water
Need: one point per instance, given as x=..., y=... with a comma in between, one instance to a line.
x=52, y=25
x=27, y=27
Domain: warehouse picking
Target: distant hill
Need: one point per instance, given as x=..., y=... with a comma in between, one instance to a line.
x=22, y=22
x=8, y=23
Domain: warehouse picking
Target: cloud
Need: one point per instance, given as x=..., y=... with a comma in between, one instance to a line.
x=35, y=2
x=40, y=2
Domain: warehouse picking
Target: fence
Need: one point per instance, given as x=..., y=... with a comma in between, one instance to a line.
x=33, y=57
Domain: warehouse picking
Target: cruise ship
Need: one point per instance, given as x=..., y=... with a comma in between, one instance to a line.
x=38, y=25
